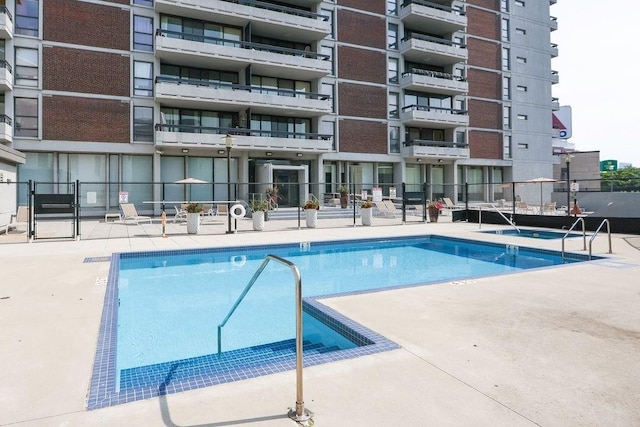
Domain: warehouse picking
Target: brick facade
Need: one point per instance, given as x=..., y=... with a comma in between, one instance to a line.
x=375, y=6
x=485, y=114
x=357, y=136
x=484, y=84
x=484, y=54
x=361, y=29
x=362, y=101
x=487, y=4
x=483, y=23
x=362, y=65
x=485, y=145
x=68, y=118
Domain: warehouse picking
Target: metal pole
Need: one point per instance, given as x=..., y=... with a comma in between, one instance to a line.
x=568, y=186
x=229, y=188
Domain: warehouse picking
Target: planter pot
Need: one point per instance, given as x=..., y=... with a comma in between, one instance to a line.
x=366, y=214
x=433, y=214
x=258, y=220
x=312, y=218
x=344, y=201
x=193, y=222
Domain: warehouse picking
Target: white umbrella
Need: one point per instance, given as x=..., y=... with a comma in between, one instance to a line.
x=190, y=181
x=542, y=180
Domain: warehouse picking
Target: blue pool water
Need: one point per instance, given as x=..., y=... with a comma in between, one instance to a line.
x=533, y=233
x=164, y=307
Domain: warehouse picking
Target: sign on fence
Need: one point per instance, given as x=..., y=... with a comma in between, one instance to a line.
x=123, y=197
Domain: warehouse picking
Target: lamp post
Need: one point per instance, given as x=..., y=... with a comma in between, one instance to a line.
x=228, y=142
x=567, y=160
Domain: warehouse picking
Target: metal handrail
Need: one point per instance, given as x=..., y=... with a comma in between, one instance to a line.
x=505, y=218
x=604, y=221
x=300, y=414
x=584, y=235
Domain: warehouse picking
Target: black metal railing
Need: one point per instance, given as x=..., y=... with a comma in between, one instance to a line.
x=5, y=119
x=435, y=74
x=5, y=64
x=164, y=127
x=3, y=9
x=279, y=8
x=428, y=143
x=438, y=6
x=436, y=109
x=432, y=39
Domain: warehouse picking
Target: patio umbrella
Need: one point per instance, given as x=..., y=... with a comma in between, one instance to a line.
x=190, y=181
x=541, y=181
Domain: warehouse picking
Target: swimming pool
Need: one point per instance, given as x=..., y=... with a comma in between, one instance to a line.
x=148, y=346
x=533, y=233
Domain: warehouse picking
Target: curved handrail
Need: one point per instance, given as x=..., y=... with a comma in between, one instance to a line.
x=604, y=221
x=505, y=218
x=584, y=235
x=299, y=414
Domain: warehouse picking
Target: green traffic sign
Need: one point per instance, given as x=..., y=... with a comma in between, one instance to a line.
x=608, y=165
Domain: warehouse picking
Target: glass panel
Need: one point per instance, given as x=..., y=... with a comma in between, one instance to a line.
x=39, y=168
x=143, y=33
x=26, y=110
x=143, y=78
x=143, y=124
x=200, y=168
x=171, y=170
x=137, y=178
x=27, y=14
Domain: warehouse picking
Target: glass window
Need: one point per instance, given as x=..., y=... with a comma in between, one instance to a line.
x=26, y=67
x=523, y=117
x=38, y=167
x=506, y=147
x=143, y=124
x=385, y=176
x=506, y=87
x=137, y=177
x=143, y=33
x=392, y=36
x=392, y=72
x=329, y=14
x=521, y=60
x=26, y=111
x=143, y=2
x=504, y=5
x=392, y=7
x=27, y=17
x=521, y=31
x=506, y=117
x=461, y=138
x=394, y=139
x=143, y=78
x=506, y=65
x=505, y=29
x=521, y=88
x=393, y=105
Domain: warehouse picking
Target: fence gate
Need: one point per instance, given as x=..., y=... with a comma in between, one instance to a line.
x=55, y=216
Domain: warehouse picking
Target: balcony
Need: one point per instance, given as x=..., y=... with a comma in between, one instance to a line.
x=434, y=82
x=6, y=77
x=553, y=23
x=432, y=50
x=197, y=94
x=209, y=138
x=232, y=55
x=6, y=129
x=437, y=149
x=6, y=23
x=554, y=50
x=267, y=19
x=555, y=77
x=440, y=19
x=555, y=104
x=433, y=117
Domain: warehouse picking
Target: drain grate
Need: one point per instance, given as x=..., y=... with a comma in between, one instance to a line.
x=101, y=281
x=97, y=259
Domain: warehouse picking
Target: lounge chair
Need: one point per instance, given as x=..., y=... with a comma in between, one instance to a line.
x=449, y=205
x=20, y=218
x=130, y=213
x=221, y=209
x=181, y=214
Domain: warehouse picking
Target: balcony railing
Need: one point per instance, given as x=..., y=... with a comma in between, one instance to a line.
x=240, y=44
x=278, y=8
x=432, y=39
x=233, y=86
x=435, y=74
x=434, y=109
x=5, y=64
x=456, y=11
x=4, y=10
x=5, y=119
x=428, y=143
x=240, y=132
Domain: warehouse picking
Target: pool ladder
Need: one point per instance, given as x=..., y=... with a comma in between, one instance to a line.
x=300, y=414
x=584, y=235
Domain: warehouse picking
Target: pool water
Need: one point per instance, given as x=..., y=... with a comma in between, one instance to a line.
x=532, y=233
x=164, y=307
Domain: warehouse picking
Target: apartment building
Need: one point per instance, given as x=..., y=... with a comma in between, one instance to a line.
x=126, y=93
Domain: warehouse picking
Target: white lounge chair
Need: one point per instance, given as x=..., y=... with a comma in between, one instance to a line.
x=20, y=218
x=130, y=213
x=181, y=214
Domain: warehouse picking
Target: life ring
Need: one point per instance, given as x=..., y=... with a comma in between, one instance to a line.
x=240, y=214
x=238, y=260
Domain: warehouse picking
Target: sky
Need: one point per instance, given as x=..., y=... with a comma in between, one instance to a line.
x=598, y=49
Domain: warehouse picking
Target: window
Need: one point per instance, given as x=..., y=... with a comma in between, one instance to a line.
x=27, y=17
x=392, y=36
x=26, y=67
x=392, y=7
x=143, y=124
x=505, y=59
x=521, y=59
x=505, y=29
x=461, y=138
x=504, y=5
x=394, y=139
x=143, y=78
x=394, y=99
x=392, y=72
x=506, y=117
x=506, y=87
x=143, y=2
x=519, y=3
x=523, y=146
x=329, y=14
x=523, y=117
x=521, y=88
x=143, y=33
x=26, y=111
x=521, y=31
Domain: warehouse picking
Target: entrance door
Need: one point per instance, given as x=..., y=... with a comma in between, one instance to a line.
x=287, y=183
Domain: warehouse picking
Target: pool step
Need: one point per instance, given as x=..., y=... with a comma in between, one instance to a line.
x=229, y=363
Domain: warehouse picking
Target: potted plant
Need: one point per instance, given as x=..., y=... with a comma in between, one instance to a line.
x=258, y=210
x=311, y=208
x=366, y=212
x=193, y=217
x=434, y=210
x=344, y=196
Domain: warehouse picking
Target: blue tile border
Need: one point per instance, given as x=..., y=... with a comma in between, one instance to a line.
x=209, y=370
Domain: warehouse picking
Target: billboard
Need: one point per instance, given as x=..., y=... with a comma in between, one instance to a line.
x=562, y=121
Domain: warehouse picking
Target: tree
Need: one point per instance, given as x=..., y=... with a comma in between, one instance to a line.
x=625, y=179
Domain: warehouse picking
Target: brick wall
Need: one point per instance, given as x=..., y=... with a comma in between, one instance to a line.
x=485, y=145
x=484, y=114
x=362, y=101
x=483, y=23
x=361, y=29
x=487, y=4
x=75, y=70
x=484, y=84
x=357, y=136
x=375, y=6
x=69, y=118
x=86, y=24
x=362, y=65
x=484, y=54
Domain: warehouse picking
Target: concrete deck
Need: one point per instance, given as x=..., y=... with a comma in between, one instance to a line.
x=551, y=347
